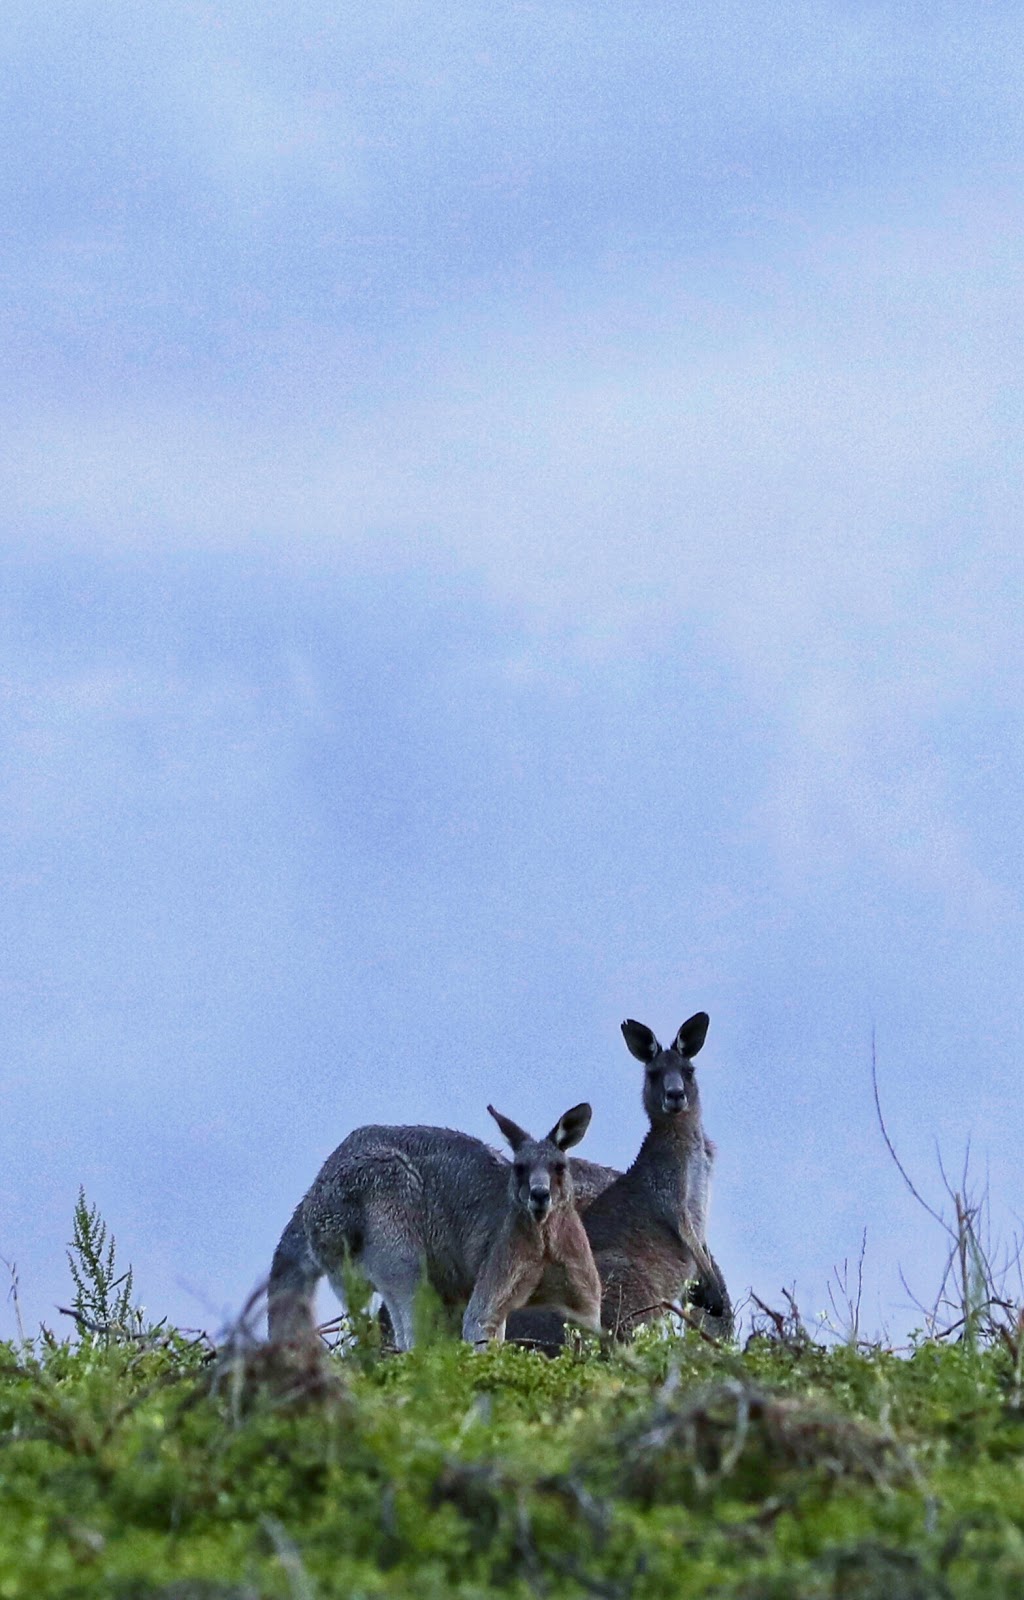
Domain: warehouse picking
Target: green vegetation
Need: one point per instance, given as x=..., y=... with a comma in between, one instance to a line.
x=152, y=1466
x=103, y=1297
x=142, y=1465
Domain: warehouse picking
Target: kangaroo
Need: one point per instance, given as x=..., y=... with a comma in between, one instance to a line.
x=404, y=1202
x=539, y=1252
x=648, y=1226
x=648, y=1229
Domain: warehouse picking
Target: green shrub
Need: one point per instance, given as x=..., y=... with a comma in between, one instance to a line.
x=153, y=1469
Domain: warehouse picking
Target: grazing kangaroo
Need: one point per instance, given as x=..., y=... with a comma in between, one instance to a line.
x=648, y=1227
x=409, y=1202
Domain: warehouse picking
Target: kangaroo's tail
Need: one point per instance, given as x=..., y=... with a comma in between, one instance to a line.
x=294, y=1275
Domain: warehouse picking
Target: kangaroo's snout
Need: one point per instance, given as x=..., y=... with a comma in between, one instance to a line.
x=674, y=1097
x=540, y=1201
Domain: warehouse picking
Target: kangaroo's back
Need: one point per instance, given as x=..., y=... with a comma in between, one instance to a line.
x=394, y=1200
x=589, y=1180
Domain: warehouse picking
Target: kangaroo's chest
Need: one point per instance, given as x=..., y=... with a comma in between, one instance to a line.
x=651, y=1203
x=666, y=1190
x=664, y=1197
x=554, y=1286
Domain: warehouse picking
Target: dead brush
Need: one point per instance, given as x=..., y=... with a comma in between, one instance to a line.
x=735, y=1427
x=286, y=1372
x=786, y=1329
x=973, y=1307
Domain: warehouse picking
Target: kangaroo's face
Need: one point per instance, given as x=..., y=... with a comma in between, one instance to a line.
x=540, y=1175
x=670, y=1082
x=670, y=1086
x=541, y=1180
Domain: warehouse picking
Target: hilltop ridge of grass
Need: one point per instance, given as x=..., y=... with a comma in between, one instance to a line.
x=154, y=1468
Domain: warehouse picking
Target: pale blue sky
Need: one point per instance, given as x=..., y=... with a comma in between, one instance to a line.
x=511, y=520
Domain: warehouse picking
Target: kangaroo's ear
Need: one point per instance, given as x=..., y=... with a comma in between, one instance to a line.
x=512, y=1131
x=571, y=1126
x=640, y=1041
x=692, y=1034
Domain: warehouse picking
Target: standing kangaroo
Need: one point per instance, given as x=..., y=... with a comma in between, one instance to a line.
x=405, y=1203
x=648, y=1229
x=648, y=1226
x=539, y=1252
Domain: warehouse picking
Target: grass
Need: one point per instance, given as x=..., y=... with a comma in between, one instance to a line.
x=144, y=1464
x=158, y=1467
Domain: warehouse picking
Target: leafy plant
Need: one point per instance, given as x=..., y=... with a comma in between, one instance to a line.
x=103, y=1299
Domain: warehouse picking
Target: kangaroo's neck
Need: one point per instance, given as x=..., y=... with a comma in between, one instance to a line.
x=557, y=1227
x=662, y=1158
x=527, y=1236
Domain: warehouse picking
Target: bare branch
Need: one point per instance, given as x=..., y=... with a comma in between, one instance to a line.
x=110, y=1330
x=14, y=1296
x=900, y=1168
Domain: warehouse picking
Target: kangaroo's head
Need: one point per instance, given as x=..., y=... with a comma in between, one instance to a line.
x=670, y=1084
x=541, y=1181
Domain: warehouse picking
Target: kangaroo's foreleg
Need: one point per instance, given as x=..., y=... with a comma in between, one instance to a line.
x=506, y=1281
x=697, y=1249
x=581, y=1285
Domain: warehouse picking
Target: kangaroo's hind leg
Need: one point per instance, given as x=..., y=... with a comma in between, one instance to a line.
x=394, y=1265
x=382, y=1235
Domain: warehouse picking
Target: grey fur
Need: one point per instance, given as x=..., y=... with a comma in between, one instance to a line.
x=648, y=1229
x=415, y=1201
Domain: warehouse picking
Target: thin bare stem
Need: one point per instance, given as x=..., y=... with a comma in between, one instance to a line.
x=900, y=1168
x=14, y=1297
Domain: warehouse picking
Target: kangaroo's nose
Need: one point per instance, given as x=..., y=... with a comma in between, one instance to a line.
x=674, y=1100
x=540, y=1199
